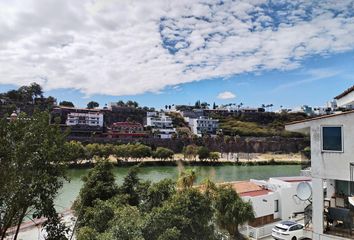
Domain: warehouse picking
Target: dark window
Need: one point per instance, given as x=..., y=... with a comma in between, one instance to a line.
x=332, y=139
x=276, y=206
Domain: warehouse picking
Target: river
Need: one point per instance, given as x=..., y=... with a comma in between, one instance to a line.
x=224, y=173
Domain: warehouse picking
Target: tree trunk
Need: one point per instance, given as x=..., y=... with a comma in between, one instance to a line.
x=19, y=223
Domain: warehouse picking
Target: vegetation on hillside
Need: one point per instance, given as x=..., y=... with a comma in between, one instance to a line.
x=265, y=124
x=156, y=211
x=27, y=98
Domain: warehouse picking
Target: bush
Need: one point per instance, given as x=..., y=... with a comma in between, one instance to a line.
x=163, y=153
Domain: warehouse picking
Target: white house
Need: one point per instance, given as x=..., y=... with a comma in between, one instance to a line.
x=161, y=124
x=272, y=200
x=160, y=121
x=88, y=119
x=332, y=166
x=203, y=125
x=346, y=99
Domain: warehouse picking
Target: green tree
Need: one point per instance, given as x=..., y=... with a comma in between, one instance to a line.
x=32, y=169
x=66, y=104
x=188, y=213
x=92, y=105
x=157, y=194
x=231, y=211
x=131, y=186
x=214, y=156
x=126, y=225
x=186, y=179
x=99, y=184
x=190, y=152
x=203, y=153
x=163, y=153
x=75, y=151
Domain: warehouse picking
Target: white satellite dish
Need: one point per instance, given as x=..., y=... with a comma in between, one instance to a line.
x=304, y=191
x=351, y=200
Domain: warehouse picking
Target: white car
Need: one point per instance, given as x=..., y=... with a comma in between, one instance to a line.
x=288, y=230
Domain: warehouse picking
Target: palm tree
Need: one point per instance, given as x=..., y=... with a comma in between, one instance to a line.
x=186, y=179
x=232, y=211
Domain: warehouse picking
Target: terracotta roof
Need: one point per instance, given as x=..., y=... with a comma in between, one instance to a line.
x=321, y=117
x=346, y=92
x=243, y=188
x=255, y=193
x=247, y=188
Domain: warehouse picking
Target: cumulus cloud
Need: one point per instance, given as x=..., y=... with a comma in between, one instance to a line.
x=121, y=47
x=226, y=95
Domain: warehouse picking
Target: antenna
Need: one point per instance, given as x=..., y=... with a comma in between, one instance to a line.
x=304, y=191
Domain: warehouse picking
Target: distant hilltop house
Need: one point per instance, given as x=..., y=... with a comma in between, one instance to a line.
x=82, y=122
x=160, y=124
x=126, y=130
x=204, y=125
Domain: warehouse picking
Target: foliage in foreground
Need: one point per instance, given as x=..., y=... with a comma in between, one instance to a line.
x=164, y=210
x=32, y=170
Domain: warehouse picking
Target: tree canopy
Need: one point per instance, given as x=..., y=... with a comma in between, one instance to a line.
x=32, y=170
x=164, y=210
x=92, y=105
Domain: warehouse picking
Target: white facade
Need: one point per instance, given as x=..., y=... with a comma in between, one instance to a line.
x=346, y=101
x=160, y=121
x=203, y=125
x=165, y=133
x=330, y=166
x=89, y=119
x=282, y=193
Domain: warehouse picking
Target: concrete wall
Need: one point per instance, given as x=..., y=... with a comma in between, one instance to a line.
x=263, y=205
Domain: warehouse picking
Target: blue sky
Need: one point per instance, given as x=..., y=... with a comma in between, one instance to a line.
x=289, y=52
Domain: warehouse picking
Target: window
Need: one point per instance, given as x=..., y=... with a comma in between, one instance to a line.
x=332, y=139
x=276, y=206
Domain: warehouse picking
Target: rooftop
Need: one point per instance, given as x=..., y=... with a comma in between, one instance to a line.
x=295, y=179
x=321, y=117
x=346, y=92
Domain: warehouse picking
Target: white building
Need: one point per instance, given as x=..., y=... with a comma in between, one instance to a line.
x=332, y=161
x=273, y=200
x=159, y=121
x=88, y=119
x=203, y=125
x=161, y=124
x=346, y=99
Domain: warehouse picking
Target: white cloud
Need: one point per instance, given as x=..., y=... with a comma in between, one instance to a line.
x=226, y=95
x=121, y=47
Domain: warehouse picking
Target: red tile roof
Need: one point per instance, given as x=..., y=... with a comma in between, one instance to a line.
x=255, y=193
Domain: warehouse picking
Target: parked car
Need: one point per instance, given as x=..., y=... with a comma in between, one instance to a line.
x=288, y=230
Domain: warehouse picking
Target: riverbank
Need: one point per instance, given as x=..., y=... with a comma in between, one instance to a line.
x=239, y=159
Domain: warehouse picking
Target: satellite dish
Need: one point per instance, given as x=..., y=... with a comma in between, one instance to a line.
x=304, y=191
x=351, y=200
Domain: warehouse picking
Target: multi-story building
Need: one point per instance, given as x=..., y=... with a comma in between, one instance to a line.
x=126, y=130
x=160, y=121
x=89, y=118
x=161, y=124
x=203, y=125
x=82, y=122
x=332, y=172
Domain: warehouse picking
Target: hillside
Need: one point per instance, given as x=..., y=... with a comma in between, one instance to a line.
x=260, y=124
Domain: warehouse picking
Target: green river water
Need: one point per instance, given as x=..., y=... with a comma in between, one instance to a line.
x=224, y=173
